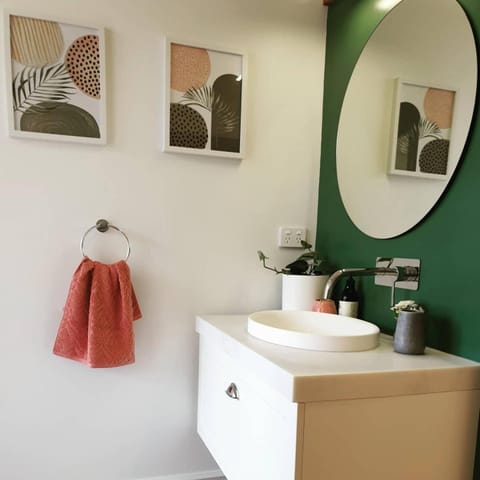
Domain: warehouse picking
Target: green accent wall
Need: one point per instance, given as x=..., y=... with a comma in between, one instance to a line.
x=447, y=241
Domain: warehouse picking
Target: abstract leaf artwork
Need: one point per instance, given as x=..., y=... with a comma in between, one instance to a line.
x=56, y=75
x=422, y=132
x=204, y=101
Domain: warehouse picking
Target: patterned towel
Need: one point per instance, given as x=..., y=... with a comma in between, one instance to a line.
x=97, y=323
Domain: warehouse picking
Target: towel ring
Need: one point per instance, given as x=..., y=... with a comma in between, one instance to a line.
x=102, y=226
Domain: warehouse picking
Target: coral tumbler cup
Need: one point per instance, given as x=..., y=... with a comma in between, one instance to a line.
x=325, y=306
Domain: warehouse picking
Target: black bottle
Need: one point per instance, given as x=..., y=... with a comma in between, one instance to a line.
x=348, y=304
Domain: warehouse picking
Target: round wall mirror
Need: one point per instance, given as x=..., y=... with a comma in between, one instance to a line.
x=406, y=115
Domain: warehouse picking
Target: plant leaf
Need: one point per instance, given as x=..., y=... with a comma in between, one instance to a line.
x=427, y=128
x=306, y=245
x=298, y=267
x=228, y=119
x=261, y=255
x=310, y=255
x=206, y=98
x=202, y=96
x=34, y=85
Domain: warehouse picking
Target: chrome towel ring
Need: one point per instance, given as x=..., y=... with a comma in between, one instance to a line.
x=102, y=226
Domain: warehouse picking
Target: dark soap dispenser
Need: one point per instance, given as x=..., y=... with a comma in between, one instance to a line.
x=348, y=304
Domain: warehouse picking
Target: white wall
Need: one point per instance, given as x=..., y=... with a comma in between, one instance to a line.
x=195, y=225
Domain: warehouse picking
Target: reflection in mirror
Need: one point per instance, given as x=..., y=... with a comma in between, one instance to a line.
x=422, y=50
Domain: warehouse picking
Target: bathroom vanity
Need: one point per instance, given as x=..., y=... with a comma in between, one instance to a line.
x=269, y=412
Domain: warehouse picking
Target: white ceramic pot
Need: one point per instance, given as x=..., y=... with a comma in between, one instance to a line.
x=300, y=291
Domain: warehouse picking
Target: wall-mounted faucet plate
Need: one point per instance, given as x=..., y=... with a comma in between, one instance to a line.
x=387, y=281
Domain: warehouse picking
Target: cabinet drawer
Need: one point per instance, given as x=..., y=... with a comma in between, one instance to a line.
x=251, y=437
x=218, y=414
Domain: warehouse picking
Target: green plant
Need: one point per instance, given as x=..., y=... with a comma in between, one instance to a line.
x=406, y=306
x=308, y=263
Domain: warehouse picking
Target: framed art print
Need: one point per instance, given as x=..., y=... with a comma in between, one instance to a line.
x=204, y=100
x=56, y=80
x=423, y=122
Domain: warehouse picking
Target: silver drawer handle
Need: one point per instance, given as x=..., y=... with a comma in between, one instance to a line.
x=232, y=391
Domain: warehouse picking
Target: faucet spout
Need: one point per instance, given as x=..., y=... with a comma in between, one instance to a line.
x=356, y=272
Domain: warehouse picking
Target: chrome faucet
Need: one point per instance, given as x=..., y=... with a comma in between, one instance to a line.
x=355, y=272
x=399, y=274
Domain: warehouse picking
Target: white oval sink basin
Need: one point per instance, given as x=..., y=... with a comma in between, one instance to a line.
x=313, y=330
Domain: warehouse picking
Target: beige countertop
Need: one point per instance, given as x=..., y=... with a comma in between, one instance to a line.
x=306, y=376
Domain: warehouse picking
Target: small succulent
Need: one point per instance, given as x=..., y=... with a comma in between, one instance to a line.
x=406, y=306
x=309, y=263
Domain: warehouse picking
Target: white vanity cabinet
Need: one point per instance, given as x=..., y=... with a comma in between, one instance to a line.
x=303, y=415
x=251, y=437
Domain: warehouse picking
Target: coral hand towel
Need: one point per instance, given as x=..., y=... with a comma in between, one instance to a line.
x=97, y=323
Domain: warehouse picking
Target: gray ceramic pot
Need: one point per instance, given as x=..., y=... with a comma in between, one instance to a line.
x=409, y=334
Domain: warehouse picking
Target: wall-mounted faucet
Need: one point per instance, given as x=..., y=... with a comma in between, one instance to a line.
x=397, y=270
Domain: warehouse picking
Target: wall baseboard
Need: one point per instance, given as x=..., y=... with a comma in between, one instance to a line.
x=189, y=476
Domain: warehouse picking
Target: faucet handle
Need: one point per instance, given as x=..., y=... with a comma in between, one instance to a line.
x=404, y=274
x=408, y=274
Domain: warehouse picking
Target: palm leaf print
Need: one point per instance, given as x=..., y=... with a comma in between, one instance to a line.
x=206, y=98
x=202, y=97
x=427, y=128
x=34, y=85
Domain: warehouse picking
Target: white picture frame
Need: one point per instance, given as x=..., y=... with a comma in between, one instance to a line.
x=55, y=77
x=423, y=122
x=204, y=100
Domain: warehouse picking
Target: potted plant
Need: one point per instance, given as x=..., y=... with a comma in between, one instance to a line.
x=409, y=336
x=303, y=280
